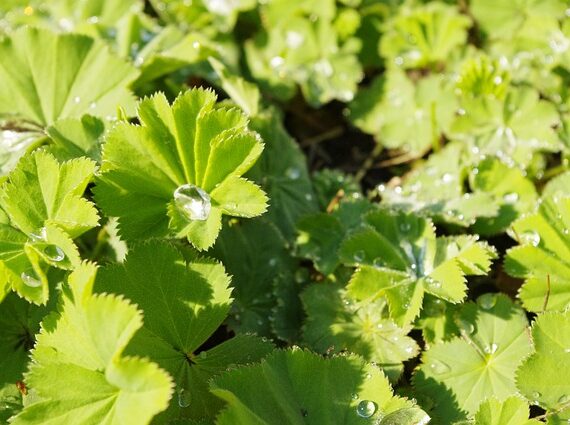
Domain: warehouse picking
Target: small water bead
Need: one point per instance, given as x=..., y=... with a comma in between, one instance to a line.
x=193, y=202
x=92, y=105
x=409, y=350
x=323, y=67
x=564, y=399
x=183, y=398
x=54, y=253
x=366, y=408
x=530, y=237
x=511, y=198
x=293, y=173
x=447, y=178
x=438, y=367
x=308, y=197
x=491, y=349
x=405, y=227
x=276, y=62
x=31, y=279
x=487, y=301
x=354, y=396
x=272, y=262
x=294, y=39
x=536, y=395
x=77, y=99
x=378, y=262
x=359, y=256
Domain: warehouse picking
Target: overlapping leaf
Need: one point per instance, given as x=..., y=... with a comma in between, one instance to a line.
x=336, y=323
x=399, y=257
x=543, y=377
x=542, y=258
x=183, y=304
x=44, y=204
x=190, y=145
x=79, y=372
x=342, y=390
x=479, y=363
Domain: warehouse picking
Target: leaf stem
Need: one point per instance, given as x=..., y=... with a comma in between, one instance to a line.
x=369, y=162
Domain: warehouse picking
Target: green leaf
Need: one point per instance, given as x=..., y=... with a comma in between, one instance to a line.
x=282, y=172
x=400, y=258
x=504, y=17
x=512, y=128
x=424, y=36
x=74, y=137
x=183, y=304
x=255, y=254
x=336, y=323
x=245, y=94
x=79, y=372
x=342, y=390
x=543, y=377
x=480, y=363
x=542, y=256
x=511, y=411
x=402, y=114
x=320, y=235
x=184, y=147
x=19, y=322
x=43, y=202
x=47, y=76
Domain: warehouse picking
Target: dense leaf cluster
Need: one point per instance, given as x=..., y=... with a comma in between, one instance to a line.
x=170, y=254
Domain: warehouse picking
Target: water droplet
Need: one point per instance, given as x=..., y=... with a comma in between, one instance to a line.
x=378, y=262
x=409, y=350
x=77, y=99
x=487, y=301
x=293, y=173
x=491, y=349
x=354, y=396
x=405, y=227
x=304, y=413
x=272, y=262
x=323, y=67
x=93, y=19
x=381, y=188
x=511, y=197
x=497, y=80
x=196, y=45
x=536, y=395
x=359, y=256
x=530, y=237
x=475, y=171
x=294, y=39
x=139, y=60
x=366, y=408
x=193, y=202
x=54, y=253
x=368, y=376
x=92, y=105
x=41, y=236
x=399, y=60
x=447, y=178
x=461, y=111
x=30, y=278
x=308, y=197
x=438, y=367
x=183, y=398
x=414, y=266
x=564, y=399
x=276, y=62
x=432, y=283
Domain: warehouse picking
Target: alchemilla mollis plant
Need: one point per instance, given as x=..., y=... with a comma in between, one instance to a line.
x=284, y=212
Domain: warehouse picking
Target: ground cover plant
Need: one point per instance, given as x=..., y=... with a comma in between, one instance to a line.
x=285, y=212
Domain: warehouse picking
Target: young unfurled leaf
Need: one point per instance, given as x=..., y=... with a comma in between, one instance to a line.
x=336, y=323
x=544, y=377
x=183, y=304
x=47, y=76
x=424, y=36
x=43, y=201
x=479, y=363
x=543, y=256
x=180, y=171
x=78, y=370
x=400, y=258
x=298, y=387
